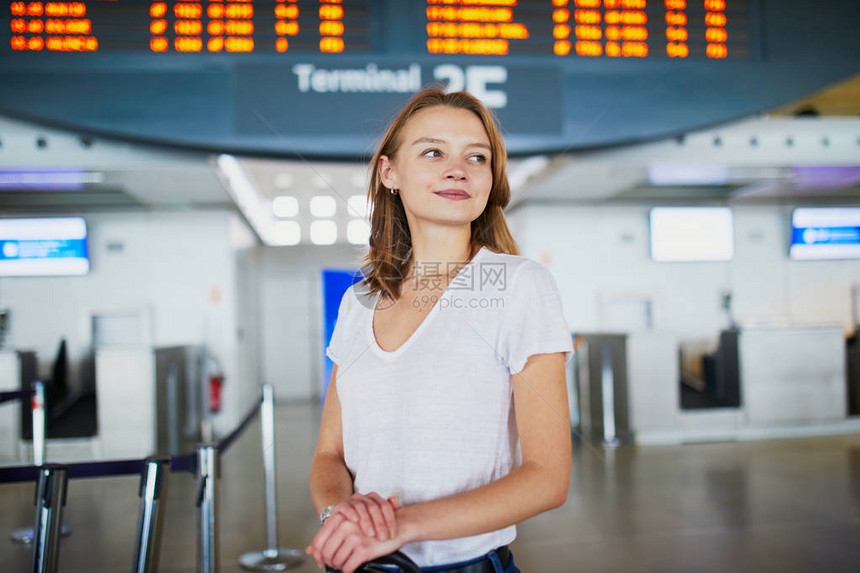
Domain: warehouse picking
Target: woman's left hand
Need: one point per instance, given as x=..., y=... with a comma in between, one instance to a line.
x=341, y=544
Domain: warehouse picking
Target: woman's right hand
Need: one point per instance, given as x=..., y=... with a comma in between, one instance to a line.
x=341, y=545
x=374, y=515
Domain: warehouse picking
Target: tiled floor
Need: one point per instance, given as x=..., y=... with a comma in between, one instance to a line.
x=785, y=506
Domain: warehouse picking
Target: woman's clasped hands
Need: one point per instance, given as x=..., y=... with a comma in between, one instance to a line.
x=359, y=529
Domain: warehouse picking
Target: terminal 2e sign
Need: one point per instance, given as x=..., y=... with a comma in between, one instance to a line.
x=487, y=83
x=307, y=98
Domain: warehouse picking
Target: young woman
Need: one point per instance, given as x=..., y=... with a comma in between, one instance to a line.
x=445, y=422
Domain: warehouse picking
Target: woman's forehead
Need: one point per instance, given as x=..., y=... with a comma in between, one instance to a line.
x=445, y=123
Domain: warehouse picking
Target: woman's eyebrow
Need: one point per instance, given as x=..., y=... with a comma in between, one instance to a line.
x=439, y=141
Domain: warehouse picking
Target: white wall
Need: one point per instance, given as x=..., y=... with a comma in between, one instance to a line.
x=291, y=315
x=179, y=268
x=596, y=252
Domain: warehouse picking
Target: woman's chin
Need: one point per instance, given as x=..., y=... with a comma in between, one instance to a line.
x=450, y=222
x=448, y=217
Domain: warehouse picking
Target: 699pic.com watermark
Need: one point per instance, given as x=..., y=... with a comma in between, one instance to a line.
x=424, y=301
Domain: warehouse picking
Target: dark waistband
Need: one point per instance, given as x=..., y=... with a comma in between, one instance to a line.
x=480, y=565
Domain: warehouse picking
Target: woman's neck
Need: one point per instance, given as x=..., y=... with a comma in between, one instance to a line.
x=440, y=250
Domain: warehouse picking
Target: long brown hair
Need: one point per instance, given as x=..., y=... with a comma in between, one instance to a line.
x=387, y=261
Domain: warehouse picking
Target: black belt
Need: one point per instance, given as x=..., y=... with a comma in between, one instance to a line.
x=484, y=565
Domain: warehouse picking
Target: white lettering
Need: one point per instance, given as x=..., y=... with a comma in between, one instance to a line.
x=454, y=74
x=304, y=72
x=367, y=79
x=477, y=78
x=318, y=81
x=474, y=79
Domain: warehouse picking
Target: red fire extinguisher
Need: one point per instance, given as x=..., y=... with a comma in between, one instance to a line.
x=216, y=384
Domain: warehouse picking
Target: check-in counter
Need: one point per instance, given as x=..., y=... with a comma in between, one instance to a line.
x=17, y=371
x=148, y=400
x=125, y=386
x=10, y=417
x=853, y=366
x=653, y=374
x=792, y=383
x=792, y=375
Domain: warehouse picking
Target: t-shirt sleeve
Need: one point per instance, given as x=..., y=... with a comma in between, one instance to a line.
x=336, y=348
x=535, y=322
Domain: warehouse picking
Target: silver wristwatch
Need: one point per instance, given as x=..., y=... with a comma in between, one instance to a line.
x=326, y=513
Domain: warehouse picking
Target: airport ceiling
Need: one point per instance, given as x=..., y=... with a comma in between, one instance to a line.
x=808, y=151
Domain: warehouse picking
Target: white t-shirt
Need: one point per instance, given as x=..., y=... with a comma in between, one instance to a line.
x=435, y=417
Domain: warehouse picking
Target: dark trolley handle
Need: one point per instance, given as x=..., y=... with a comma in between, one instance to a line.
x=397, y=558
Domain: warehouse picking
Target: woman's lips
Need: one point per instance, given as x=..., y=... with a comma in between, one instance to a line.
x=453, y=194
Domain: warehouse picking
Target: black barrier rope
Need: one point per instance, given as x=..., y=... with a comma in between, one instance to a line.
x=111, y=468
x=232, y=436
x=19, y=395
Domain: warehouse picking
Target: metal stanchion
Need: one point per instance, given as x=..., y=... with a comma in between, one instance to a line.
x=39, y=434
x=207, y=508
x=272, y=558
x=24, y=535
x=50, y=499
x=173, y=430
x=607, y=383
x=153, y=494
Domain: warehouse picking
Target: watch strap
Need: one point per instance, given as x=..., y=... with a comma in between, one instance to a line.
x=326, y=513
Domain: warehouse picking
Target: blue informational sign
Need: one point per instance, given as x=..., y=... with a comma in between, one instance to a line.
x=43, y=247
x=825, y=233
x=825, y=236
x=334, y=284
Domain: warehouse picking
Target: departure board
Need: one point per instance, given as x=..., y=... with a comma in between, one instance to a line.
x=234, y=26
x=324, y=78
x=706, y=29
x=714, y=29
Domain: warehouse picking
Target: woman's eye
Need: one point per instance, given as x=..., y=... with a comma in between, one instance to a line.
x=432, y=153
x=479, y=158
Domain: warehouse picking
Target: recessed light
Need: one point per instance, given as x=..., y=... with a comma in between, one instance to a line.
x=357, y=232
x=323, y=232
x=357, y=205
x=323, y=206
x=287, y=233
x=284, y=180
x=285, y=206
x=322, y=181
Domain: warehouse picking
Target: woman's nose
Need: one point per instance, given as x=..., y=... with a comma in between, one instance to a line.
x=455, y=170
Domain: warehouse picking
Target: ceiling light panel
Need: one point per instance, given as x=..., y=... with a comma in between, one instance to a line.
x=284, y=180
x=323, y=206
x=285, y=206
x=357, y=206
x=357, y=232
x=323, y=232
x=287, y=233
